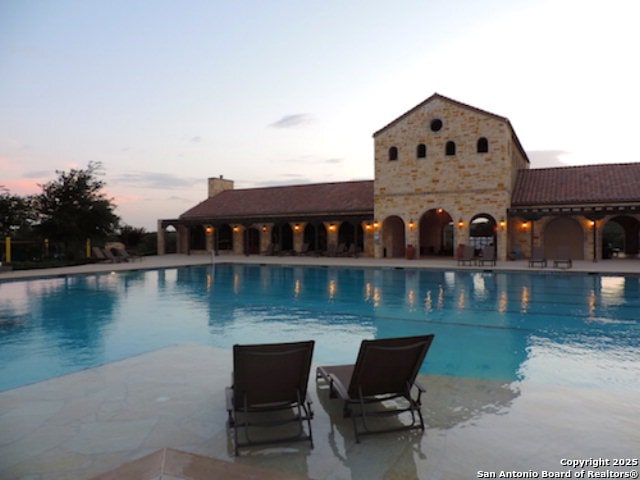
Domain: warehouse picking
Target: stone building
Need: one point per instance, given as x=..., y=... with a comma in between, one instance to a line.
x=446, y=174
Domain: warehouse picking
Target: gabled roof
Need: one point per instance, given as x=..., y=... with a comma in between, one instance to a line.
x=437, y=96
x=582, y=185
x=341, y=198
x=446, y=99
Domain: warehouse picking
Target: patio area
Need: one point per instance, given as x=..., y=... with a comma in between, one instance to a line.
x=88, y=423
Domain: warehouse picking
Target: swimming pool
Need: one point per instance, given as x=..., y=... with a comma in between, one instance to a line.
x=564, y=329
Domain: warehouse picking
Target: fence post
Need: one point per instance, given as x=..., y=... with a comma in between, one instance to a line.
x=88, y=250
x=7, y=249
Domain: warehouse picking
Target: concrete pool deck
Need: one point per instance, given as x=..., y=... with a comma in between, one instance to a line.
x=87, y=423
x=612, y=266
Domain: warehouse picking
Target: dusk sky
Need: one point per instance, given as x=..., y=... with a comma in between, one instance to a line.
x=168, y=93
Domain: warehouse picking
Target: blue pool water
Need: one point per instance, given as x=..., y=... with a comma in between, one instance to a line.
x=562, y=329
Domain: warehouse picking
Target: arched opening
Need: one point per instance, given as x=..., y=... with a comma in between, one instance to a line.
x=393, y=238
x=436, y=233
x=170, y=239
x=253, y=241
x=564, y=231
x=620, y=237
x=349, y=234
x=450, y=148
x=223, y=237
x=315, y=237
x=393, y=154
x=421, y=151
x=197, y=238
x=282, y=237
x=483, y=145
x=482, y=232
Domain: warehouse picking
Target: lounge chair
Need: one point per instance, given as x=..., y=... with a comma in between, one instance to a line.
x=126, y=256
x=385, y=370
x=488, y=256
x=267, y=380
x=99, y=255
x=563, y=258
x=468, y=256
x=111, y=257
x=537, y=257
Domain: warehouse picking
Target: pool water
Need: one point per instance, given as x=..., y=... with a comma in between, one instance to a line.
x=566, y=329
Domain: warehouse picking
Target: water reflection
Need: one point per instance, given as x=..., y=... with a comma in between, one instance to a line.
x=485, y=323
x=497, y=326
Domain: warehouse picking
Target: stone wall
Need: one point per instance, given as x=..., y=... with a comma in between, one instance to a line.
x=464, y=185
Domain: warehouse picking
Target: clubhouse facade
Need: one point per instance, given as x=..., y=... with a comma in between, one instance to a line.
x=446, y=174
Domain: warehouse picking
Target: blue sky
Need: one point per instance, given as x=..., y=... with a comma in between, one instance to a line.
x=168, y=93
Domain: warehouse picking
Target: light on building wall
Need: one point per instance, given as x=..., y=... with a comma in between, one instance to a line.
x=264, y=228
x=236, y=229
x=525, y=224
x=439, y=210
x=460, y=223
x=375, y=224
x=296, y=227
x=209, y=229
x=592, y=223
x=411, y=224
x=332, y=227
x=502, y=222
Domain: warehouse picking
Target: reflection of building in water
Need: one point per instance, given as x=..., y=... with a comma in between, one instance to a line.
x=468, y=313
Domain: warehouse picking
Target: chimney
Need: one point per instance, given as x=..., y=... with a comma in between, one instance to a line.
x=218, y=185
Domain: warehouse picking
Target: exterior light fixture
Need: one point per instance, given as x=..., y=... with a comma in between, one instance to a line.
x=461, y=223
x=209, y=229
x=375, y=224
x=502, y=222
x=411, y=224
x=525, y=224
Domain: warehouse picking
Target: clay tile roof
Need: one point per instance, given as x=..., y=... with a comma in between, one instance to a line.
x=588, y=184
x=297, y=200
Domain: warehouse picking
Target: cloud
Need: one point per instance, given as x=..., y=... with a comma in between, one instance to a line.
x=547, y=158
x=40, y=174
x=293, y=121
x=154, y=180
x=196, y=139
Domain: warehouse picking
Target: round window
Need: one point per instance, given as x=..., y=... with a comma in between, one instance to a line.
x=436, y=125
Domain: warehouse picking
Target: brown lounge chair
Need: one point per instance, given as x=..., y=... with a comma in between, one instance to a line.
x=468, y=256
x=488, y=256
x=563, y=258
x=537, y=257
x=268, y=379
x=386, y=369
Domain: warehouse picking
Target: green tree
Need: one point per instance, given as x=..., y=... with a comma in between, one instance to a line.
x=74, y=208
x=131, y=236
x=16, y=214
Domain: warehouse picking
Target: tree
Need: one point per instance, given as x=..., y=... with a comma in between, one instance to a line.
x=74, y=208
x=131, y=236
x=16, y=214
